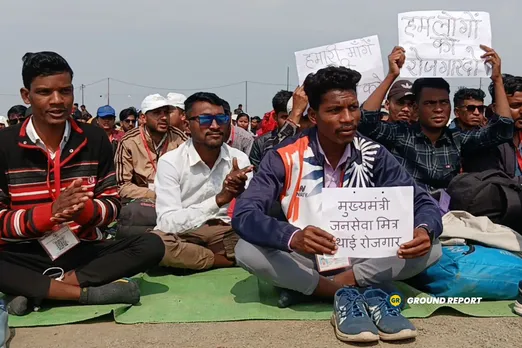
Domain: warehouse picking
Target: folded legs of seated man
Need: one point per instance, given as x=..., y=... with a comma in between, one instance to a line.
x=210, y=246
x=298, y=272
x=86, y=272
x=196, y=185
x=69, y=194
x=330, y=155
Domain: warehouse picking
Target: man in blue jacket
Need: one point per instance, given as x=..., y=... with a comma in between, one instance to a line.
x=332, y=154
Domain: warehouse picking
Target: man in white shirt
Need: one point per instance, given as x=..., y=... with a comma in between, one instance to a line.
x=195, y=185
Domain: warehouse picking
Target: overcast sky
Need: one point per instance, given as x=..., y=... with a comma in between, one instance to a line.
x=193, y=45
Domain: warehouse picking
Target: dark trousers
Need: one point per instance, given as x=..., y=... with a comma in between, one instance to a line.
x=96, y=263
x=136, y=218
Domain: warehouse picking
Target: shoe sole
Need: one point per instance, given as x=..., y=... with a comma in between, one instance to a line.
x=518, y=308
x=362, y=337
x=401, y=335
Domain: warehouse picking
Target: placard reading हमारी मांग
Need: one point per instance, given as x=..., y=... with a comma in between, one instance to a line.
x=444, y=43
x=368, y=222
x=363, y=55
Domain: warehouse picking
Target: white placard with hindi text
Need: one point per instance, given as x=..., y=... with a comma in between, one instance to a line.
x=368, y=222
x=363, y=55
x=444, y=43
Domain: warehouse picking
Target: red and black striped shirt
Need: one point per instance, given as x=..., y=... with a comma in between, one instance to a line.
x=26, y=194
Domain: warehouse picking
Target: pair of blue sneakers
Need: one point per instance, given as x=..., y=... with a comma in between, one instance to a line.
x=368, y=317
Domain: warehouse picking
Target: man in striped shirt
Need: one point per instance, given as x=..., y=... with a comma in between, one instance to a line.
x=57, y=189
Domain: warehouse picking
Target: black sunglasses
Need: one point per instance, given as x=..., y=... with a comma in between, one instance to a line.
x=14, y=121
x=472, y=108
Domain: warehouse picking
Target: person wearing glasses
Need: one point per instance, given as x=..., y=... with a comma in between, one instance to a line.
x=429, y=150
x=506, y=157
x=469, y=109
x=195, y=186
x=128, y=118
x=16, y=115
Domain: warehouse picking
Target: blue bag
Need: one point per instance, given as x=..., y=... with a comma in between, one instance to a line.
x=472, y=271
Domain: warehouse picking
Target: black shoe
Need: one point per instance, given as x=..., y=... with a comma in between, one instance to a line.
x=289, y=298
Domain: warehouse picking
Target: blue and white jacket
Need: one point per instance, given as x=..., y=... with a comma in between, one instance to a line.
x=292, y=173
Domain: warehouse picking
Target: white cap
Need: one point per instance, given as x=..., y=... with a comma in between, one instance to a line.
x=153, y=102
x=290, y=105
x=3, y=120
x=234, y=117
x=177, y=100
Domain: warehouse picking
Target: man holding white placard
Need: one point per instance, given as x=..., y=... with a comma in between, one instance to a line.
x=332, y=154
x=429, y=150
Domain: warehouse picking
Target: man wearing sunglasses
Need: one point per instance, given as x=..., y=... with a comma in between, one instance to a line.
x=16, y=115
x=429, y=150
x=506, y=157
x=195, y=185
x=469, y=109
x=128, y=118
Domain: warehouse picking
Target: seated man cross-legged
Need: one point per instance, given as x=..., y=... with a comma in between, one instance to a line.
x=57, y=186
x=332, y=154
x=136, y=161
x=195, y=184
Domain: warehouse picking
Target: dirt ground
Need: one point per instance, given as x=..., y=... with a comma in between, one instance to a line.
x=440, y=331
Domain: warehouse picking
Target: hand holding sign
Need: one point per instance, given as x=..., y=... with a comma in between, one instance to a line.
x=419, y=246
x=313, y=240
x=234, y=183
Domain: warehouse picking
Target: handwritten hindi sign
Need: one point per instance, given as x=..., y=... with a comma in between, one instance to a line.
x=363, y=55
x=444, y=44
x=368, y=222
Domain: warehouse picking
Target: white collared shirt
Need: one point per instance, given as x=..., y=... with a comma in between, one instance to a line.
x=35, y=138
x=186, y=188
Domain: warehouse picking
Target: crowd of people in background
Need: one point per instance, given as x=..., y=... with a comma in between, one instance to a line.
x=194, y=186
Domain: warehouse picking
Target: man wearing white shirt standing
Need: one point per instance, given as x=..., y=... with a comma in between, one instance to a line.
x=195, y=185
